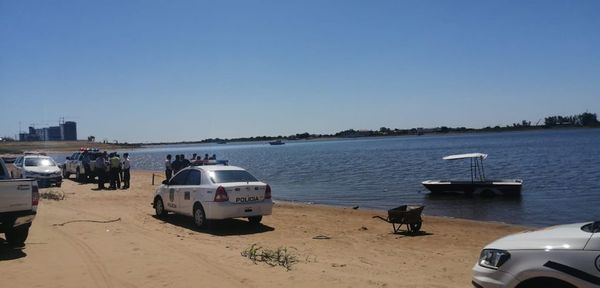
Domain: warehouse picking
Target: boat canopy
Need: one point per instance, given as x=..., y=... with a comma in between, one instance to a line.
x=466, y=156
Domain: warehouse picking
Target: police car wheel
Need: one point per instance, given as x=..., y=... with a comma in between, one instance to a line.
x=199, y=217
x=159, y=208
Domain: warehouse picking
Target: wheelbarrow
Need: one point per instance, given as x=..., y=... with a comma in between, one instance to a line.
x=405, y=214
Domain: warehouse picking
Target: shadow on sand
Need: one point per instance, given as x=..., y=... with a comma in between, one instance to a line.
x=229, y=227
x=10, y=253
x=411, y=234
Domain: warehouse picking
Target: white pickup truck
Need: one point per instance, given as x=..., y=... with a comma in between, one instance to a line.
x=18, y=206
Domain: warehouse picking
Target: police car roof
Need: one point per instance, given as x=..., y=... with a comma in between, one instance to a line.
x=217, y=167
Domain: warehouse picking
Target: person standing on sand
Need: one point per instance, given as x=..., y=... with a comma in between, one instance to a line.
x=176, y=164
x=168, y=168
x=86, y=166
x=126, y=165
x=115, y=163
x=185, y=162
x=101, y=170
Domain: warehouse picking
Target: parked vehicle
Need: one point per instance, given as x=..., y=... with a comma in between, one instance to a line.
x=75, y=164
x=18, y=206
x=39, y=167
x=479, y=184
x=211, y=192
x=565, y=256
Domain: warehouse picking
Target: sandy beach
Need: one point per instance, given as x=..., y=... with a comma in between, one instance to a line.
x=139, y=250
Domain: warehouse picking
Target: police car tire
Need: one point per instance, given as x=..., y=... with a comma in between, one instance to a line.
x=199, y=216
x=78, y=176
x=159, y=207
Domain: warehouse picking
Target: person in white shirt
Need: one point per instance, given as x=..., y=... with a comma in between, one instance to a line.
x=126, y=165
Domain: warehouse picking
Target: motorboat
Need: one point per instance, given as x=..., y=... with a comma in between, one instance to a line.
x=277, y=142
x=479, y=184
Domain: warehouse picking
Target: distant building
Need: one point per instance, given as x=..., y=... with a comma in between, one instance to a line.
x=66, y=131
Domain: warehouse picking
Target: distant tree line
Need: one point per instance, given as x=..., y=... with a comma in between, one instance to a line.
x=581, y=120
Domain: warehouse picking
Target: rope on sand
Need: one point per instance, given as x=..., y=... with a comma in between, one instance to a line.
x=92, y=221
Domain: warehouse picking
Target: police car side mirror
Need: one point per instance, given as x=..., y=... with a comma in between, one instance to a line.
x=68, y=158
x=165, y=182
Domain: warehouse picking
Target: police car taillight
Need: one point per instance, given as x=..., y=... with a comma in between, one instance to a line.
x=221, y=195
x=268, y=192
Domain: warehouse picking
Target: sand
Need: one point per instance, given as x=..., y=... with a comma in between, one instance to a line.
x=140, y=250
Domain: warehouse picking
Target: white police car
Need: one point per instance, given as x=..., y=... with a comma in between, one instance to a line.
x=558, y=256
x=211, y=192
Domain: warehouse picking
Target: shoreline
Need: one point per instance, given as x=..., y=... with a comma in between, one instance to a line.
x=379, y=211
x=137, y=249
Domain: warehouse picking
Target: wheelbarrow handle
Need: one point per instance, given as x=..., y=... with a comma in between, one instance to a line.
x=384, y=219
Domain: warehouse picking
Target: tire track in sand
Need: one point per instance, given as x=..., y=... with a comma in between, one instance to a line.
x=220, y=273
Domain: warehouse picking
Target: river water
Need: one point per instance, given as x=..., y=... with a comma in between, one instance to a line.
x=560, y=172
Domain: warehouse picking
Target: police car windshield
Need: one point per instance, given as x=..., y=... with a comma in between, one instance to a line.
x=230, y=176
x=39, y=162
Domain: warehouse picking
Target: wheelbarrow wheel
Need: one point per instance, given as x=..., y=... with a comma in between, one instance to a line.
x=415, y=227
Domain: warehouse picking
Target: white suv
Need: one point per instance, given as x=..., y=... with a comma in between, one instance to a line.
x=214, y=192
x=39, y=167
x=559, y=256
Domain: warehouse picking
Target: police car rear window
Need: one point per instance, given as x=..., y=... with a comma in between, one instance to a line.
x=229, y=176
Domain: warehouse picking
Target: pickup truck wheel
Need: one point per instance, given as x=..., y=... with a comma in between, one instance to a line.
x=17, y=235
x=255, y=220
x=199, y=216
x=66, y=173
x=159, y=207
x=78, y=175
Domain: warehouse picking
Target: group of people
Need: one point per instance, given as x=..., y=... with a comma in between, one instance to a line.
x=113, y=169
x=180, y=162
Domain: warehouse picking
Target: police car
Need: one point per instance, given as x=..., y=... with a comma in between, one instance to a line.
x=214, y=191
x=559, y=256
x=74, y=164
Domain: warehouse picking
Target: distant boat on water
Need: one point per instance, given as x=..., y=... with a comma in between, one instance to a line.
x=276, y=142
x=478, y=184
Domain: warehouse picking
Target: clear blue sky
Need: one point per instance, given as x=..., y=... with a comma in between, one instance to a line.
x=190, y=70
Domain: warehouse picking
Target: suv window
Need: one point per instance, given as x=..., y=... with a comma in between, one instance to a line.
x=180, y=178
x=194, y=178
x=93, y=156
x=229, y=176
x=74, y=156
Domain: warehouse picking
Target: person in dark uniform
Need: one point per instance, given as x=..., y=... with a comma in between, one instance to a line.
x=101, y=170
x=168, y=168
x=176, y=164
x=184, y=162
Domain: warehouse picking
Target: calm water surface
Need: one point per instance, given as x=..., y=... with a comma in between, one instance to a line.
x=560, y=172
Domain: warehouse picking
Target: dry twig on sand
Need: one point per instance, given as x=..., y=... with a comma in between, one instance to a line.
x=279, y=257
x=53, y=195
